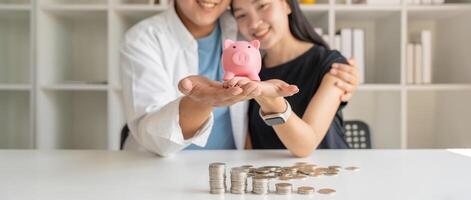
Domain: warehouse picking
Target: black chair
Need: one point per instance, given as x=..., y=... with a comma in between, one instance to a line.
x=124, y=136
x=357, y=135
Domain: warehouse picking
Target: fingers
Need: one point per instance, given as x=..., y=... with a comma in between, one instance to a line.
x=346, y=97
x=290, y=90
x=348, y=73
x=277, y=88
x=343, y=75
x=346, y=87
x=251, y=89
x=236, y=81
x=352, y=62
x=343, y=67
x=185, y=86
x=351, y=68
x=233, y=91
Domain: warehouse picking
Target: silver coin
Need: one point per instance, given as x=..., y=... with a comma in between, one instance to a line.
x=326, y=191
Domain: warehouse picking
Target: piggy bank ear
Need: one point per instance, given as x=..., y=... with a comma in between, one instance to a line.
x=228, y=43
x=255, y=43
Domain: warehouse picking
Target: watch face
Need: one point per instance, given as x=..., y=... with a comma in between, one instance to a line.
x=274, y=121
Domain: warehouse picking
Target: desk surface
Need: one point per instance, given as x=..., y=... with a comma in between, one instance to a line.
x=384, y=174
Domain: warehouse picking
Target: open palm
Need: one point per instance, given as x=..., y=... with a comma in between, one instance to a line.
x=277, y=88
x=269, y=88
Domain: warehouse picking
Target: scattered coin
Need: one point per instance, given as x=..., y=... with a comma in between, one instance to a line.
x=326, y=191
x=331, y=174
x=301, y=164
x=285, y=178
x=300, y=177
x=306, y=190
x=352, y=168
x=262, y=170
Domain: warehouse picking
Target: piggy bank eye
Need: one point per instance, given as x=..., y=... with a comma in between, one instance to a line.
x=234, y=47
x=249, y=47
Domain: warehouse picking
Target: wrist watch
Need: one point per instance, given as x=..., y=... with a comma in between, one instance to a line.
x=277, y=118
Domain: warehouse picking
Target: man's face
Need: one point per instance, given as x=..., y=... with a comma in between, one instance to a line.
x=202, y=12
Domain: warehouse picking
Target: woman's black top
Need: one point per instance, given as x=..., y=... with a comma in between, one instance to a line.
x=306, y=72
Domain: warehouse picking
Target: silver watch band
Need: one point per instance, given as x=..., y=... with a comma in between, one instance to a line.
x=277, y=118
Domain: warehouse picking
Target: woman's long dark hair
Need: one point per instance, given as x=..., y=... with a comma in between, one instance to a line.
x=300, y=26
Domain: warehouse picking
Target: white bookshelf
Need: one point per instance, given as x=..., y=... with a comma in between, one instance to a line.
x=60, y=86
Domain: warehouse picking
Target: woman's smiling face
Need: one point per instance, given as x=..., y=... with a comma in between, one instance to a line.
x=264, y=20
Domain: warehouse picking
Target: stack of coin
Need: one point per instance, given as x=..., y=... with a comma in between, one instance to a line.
x=260, y=185
x=306, y=190
x=284, y=188
x=217, y=178
x=239, y=180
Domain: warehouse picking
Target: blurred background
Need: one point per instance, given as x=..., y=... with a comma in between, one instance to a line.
x=60, y=86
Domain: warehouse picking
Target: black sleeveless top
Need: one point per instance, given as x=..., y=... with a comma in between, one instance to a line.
x=305, y=71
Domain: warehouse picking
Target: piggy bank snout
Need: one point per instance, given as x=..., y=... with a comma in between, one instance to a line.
x=240, y=58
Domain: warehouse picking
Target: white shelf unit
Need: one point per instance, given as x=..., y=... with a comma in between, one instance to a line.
x=441, y=119
x=15, y=45
x=64, y=90
x=72, y=120
x=15, y=120
x=382, y=29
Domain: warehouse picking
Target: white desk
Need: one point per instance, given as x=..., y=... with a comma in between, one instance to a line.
x=384, y=174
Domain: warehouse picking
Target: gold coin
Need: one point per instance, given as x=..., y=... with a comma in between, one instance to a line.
x=283, y=185
x=301, y=177
x=305, y=190
x=352, y=168
x=326, y=191
x=321, y=169
x=250, y=167
x=262, y=171
x=314, y=174
x=300, y=164
x=331, y=174
x=284, y=178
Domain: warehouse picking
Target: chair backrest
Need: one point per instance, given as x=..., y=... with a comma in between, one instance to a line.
x=357, y=134
x=124, y=136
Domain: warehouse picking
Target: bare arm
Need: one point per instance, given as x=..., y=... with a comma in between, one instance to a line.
x=302, y=135
x=192, y=116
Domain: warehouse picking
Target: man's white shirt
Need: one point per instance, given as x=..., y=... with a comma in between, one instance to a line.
x=156, y=54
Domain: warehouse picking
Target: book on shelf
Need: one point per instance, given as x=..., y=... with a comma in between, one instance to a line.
x=383, y=2
x=425, y=2
x=419, y=52
x=377, y=2
x=351, y=43
x=359, y=51
x=410, y=63
x=337, y=42
x=346, y=42
x=418, y=63
x=426, y=40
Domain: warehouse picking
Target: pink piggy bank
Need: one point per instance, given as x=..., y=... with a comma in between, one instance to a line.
x=241, y=58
